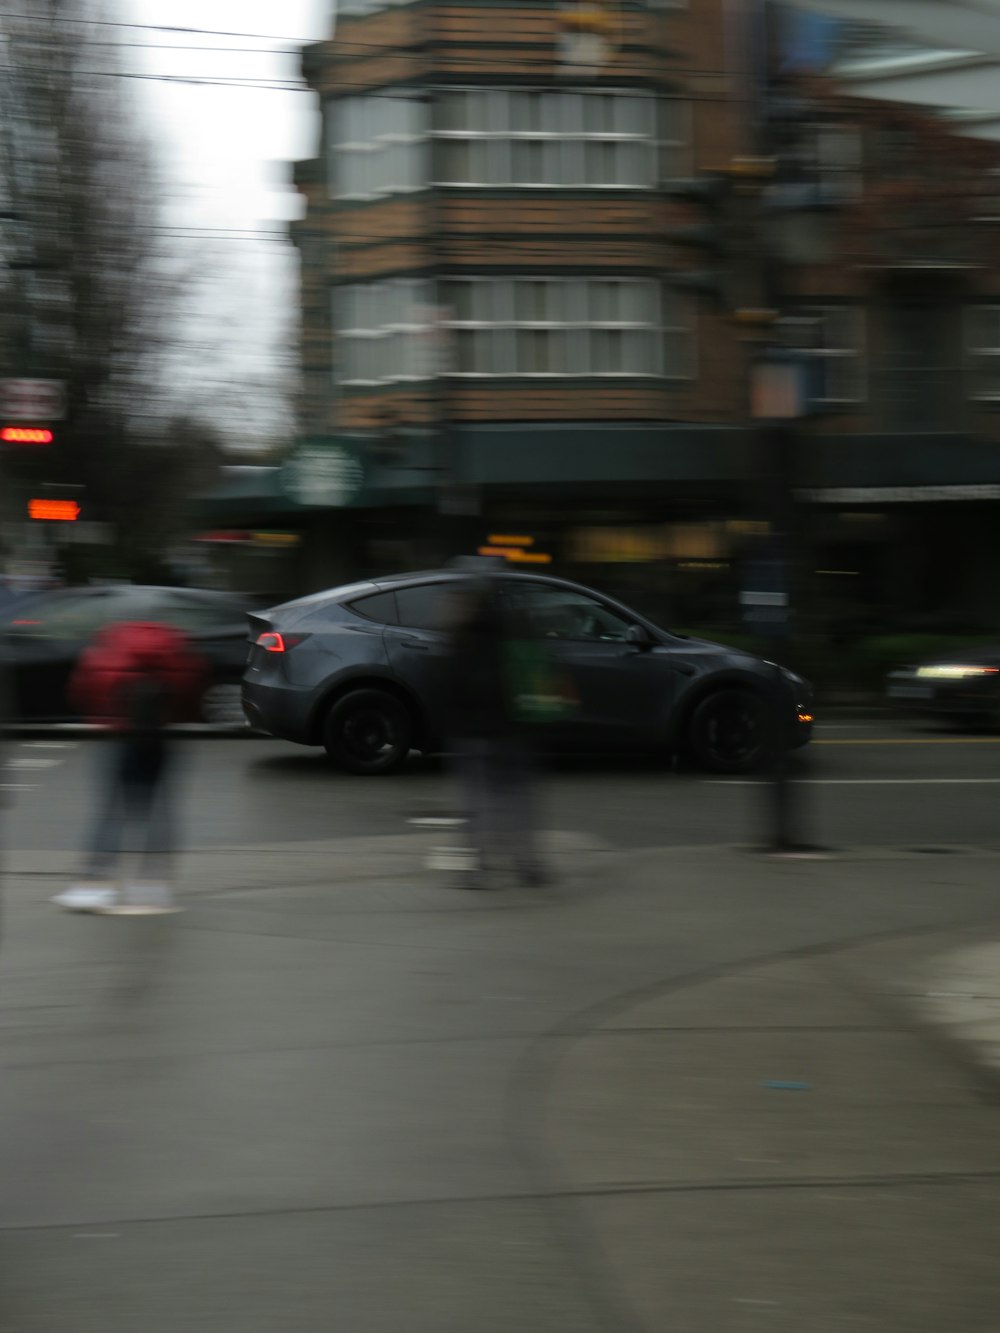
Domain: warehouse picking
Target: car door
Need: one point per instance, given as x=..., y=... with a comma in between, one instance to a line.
x=418, y=647
x=624, y=690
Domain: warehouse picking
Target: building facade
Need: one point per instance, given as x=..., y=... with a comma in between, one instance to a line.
x=488, y=309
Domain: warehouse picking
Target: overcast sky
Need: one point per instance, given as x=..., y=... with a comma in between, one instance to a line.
x=224, y=153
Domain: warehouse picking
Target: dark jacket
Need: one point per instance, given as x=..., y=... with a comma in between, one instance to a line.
x=479, y=704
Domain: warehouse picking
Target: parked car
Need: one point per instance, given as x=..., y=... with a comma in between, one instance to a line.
x=359, y=670
x=44, y=634
x=960, y=685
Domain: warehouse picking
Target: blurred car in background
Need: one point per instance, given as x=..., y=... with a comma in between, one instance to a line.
x=963, y=685
x=361, y=670
x=44, y=634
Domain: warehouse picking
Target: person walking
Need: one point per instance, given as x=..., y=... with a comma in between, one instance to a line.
x=134, y=679
x=490, y=739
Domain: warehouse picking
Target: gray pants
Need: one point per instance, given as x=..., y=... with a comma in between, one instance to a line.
x=497, y=782
x=136, y=799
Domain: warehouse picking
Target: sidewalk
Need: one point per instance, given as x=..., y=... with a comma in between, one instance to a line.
x=686, y=1090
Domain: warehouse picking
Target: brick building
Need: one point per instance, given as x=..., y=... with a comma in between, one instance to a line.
x=486, y=308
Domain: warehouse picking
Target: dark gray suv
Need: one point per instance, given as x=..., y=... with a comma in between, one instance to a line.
x=360, y=670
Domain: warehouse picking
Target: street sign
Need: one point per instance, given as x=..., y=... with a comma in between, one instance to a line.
x=319, y=473
x=32, y=400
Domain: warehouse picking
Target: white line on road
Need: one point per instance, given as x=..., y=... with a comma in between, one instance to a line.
x=18, y=786
x=858, y=782
x=30, y=761
x=48, y=745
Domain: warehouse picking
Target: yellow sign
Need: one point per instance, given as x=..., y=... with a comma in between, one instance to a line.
x=516, y=555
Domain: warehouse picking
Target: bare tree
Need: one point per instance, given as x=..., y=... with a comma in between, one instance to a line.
x=96, y=295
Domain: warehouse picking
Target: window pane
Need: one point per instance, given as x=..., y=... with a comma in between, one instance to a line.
x=460, y=296
x=504, y=352
x=557, y=614
x=534, y=352
x=465, y=351
x=601, y=162
x=527, y=113
x=451, y=111
x=639, y=352
x=421, y=607
x=602, y=301
x=570, y=112
x=631, y=114
x=380, y=607
x=528, y=167
x=496, y=162
x=345, y=308
x=477, y=111
x=599, y=113
x=454, y=160
x=483, y=355
x=485, y=300
x=606, y=351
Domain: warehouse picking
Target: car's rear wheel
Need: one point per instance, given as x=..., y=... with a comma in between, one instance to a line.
x=727, y=732
x=368, y=731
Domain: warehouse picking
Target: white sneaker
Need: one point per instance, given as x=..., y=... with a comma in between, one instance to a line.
x=143, y=900
x=87, y=898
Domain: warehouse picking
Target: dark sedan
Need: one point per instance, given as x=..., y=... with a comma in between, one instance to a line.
x=43, y=636
x=963, y=685
x=359, y=670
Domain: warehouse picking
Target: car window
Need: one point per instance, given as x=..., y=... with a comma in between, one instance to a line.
x=422, y=606
x=71, y=616
x=560, y=613
x=191, y=613
x=380, y=607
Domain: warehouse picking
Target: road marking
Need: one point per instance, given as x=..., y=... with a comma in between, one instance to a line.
x=48, y=745
x=18, y=786
x=433, y=821
x=29, y=761
x=909, y=740
x=857, y=782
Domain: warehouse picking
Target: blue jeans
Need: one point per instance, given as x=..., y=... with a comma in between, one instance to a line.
x=136, y=799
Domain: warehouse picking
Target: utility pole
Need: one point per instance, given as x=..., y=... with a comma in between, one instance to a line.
x=755, y=212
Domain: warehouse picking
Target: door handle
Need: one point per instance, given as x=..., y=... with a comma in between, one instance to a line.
x=417, y=645
x=683, y=668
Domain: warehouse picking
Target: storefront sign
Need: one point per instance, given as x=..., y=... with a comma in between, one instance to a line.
x=327, y=475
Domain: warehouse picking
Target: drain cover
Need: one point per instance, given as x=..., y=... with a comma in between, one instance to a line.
x=936, y=851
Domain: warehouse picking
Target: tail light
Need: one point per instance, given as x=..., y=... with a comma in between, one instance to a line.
x=273, y=642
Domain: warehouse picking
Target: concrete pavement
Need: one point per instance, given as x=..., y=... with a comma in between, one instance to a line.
x=686, y=1089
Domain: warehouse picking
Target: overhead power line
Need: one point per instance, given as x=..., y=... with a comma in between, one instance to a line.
x=158, y=27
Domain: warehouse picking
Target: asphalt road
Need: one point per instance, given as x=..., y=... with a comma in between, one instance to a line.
x=860, y=783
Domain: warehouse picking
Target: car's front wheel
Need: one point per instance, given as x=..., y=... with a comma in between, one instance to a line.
x=369, y=732
x=727, y=731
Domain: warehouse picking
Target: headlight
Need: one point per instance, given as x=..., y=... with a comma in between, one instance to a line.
x=949, y=672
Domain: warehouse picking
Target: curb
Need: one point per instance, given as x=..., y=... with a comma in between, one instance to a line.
x=28, y=730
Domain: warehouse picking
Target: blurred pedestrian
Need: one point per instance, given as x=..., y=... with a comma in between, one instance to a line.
x=493, y=689
x=134, y=679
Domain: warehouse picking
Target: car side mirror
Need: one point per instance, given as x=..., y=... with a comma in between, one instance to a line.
x=639, y=637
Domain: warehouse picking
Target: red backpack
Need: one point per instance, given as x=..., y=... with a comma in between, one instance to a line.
x=123, y=658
